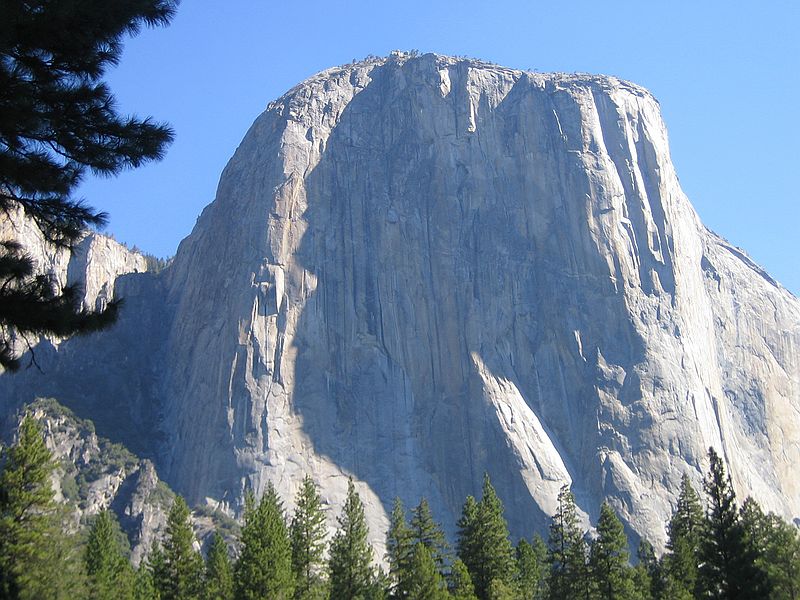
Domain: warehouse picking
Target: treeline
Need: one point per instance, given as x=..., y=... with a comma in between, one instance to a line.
x=715, y=550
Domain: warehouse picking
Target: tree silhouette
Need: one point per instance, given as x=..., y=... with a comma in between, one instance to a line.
x=57, y=121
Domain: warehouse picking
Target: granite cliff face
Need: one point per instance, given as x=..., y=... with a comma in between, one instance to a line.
x=94, y=263
x=419, y=269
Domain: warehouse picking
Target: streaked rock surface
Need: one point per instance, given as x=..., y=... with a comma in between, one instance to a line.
x=418, y=269
x=94, y=263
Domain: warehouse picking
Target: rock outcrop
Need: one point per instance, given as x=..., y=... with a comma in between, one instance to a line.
x=94, y=263
x=92, y=474
x=420, y=269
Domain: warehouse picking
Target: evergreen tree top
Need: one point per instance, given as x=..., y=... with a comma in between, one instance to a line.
x=728, y=567
x=25, y=488
x=483, y=542
x=426, y=531
x=351, y=573
x=307, y=533
x=264, y=568
x=688, y=515
x=182, y=571
x=218, y=573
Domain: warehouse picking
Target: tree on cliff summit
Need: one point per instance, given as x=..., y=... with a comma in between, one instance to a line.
x=57, y=120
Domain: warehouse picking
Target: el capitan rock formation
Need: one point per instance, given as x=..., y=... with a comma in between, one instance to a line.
x=418, y=269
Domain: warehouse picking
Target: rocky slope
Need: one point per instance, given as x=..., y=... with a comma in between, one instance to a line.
x=418, y=269
x=94, y=474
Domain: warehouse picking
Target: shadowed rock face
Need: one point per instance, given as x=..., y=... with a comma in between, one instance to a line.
x=420, y=269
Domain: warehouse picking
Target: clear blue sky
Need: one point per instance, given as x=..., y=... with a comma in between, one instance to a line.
x=727, y=75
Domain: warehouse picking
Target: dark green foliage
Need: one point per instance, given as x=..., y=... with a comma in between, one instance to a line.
x=351, y=574
x=611, y=576
x=567, y=552
x=157, y=569
x=26, y=501
x=399, y=550
x=426, y=531
x=219, y=575
x=425, y=581
x=781, y=559
x=500, y=590
x=37, y=561
x=378, y=588
x=531, y=568
x=58, y=120
x=755, y=525
x=777, y=548
x=647, y=576
x=467, y=543
x=409, y=570
x=264, y=568
x=683, y=545
x=728, y=566
x=307, y=534
x=182, y=573
x=483, y=543
x=144, y=587
x=642, y=583
x=109, y=572
x=762, y=550
x=775, y=545
x=460, y=583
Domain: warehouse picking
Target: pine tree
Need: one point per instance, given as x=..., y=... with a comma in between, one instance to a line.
x=218, y=584
x=683, y=544
x=307, y=534
x=156, y=568
x=776, y=546
x=483, y=542
x=782, y=559
x=647, y=573
x=728, y=565
x=351, y=574
x=500, y=590
x=58, y=120
x=426, y=531
x=379, y=588
x=264, y=568
x=755, y=525
x=183, y=566
x=144, y=587
x=467, y=541
x=567, y=552
x=611, y=576
x=399, y=550
x=460, y=583
x=110, y=575
x=531, y=568
x=425, y=582
x=36, y=560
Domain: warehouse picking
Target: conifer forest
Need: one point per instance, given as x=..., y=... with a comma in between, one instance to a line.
x=717, y=548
